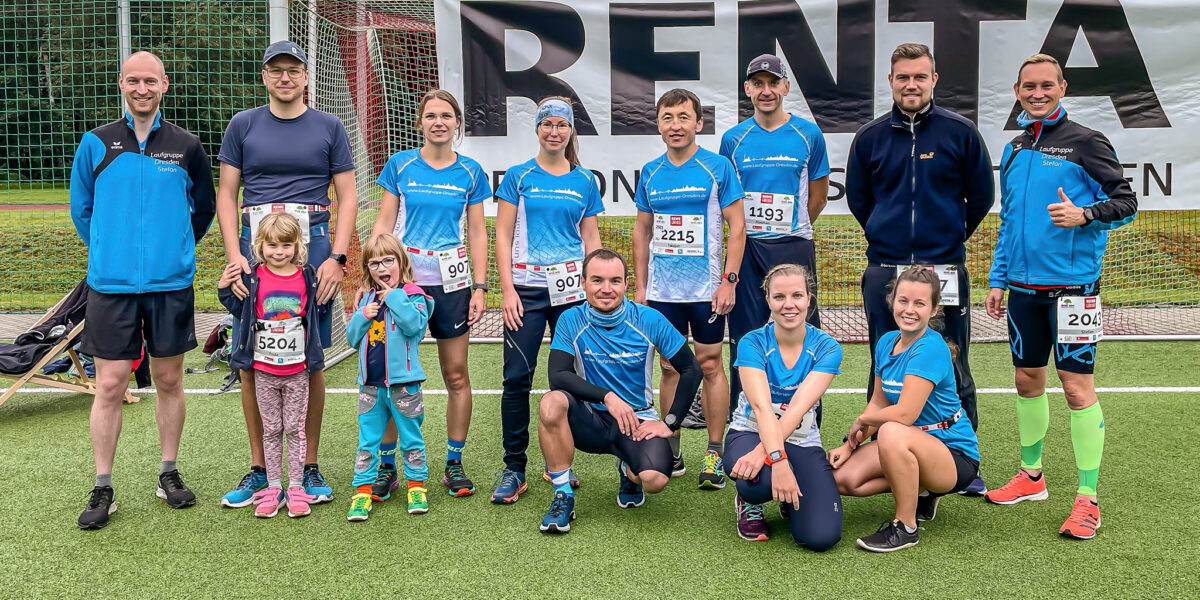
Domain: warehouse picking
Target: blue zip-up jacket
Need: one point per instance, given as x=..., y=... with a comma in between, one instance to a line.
x=242, y=356
x=404, y=321
x=141, y=209
x=919, y=186
x=1051, y=153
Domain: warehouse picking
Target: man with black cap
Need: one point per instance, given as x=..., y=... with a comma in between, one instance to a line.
x=285, y=155
x=781, y=162
x=919, y=182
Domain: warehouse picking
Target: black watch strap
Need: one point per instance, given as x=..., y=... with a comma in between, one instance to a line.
x=340, y=258
x=479, y=286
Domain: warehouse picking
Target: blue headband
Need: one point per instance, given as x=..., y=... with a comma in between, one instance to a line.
x=555, y=108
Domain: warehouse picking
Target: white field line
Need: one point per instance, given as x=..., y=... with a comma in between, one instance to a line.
x=496, y=392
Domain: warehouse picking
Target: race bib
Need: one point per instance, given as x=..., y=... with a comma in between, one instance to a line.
x=947, y=275
x=455, y=269
x=678, y=235
x=565, y=282
x=1079, y=320
x=279, y=342
x=797, y=437
x=300, y=211
x=769, y=213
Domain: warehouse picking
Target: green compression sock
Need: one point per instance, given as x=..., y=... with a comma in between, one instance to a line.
x=1087, y=436
x=1033, y=419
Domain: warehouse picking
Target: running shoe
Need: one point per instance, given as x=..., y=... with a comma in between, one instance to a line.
x=385, y=484
x=243, y=494
x=927, y=506
x=418, y=503
x=890, y=537
x=315, y=486
x=976, y=488
x=456, y=480
x=267, y=502
x=172, y=489
x=574, y=479
x=562, y=512
x=360, y=507
x=1018, y=489
x=751, y=525
x=99, y=507
x=509, y=487
x=711, y=475
x=1084, y=520
x=629, y=494
x=678, y=468
x=298, y=502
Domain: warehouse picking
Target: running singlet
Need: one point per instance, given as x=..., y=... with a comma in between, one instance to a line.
x=279, y=299
x=780, y=163
x=621, y=358
x=928, y=358
x=759, y=349
x=549, y=209
x=433, y=206
x=685, y=254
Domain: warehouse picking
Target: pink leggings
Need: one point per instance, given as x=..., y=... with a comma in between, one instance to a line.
x=283, y=404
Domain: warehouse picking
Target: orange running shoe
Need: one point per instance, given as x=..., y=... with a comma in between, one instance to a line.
x=1084, y=520
x=1018, y=489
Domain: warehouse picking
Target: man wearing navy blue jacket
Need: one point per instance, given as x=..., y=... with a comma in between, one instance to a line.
x=141, y=198
x=919, y=182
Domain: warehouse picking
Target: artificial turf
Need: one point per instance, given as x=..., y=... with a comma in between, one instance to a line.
x=681, y=542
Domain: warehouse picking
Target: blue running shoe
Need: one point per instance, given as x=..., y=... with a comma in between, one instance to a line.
x=630, y=494
x=243, y=494
x=509, y=487
x=315, y=486
x=562, y=512
x=976, y=488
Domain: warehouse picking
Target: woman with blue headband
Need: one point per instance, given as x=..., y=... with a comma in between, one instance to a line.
x=545, y=224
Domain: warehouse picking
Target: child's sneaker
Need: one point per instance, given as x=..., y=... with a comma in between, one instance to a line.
x=267, y=501
x=417, y=501
x=385, y=484
x=360, y=507
x=297, y=502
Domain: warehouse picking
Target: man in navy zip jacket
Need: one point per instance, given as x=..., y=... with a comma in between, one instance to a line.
x=919, y=182
x=141, y=198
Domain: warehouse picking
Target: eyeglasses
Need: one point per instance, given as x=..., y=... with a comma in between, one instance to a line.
x=561, y=127
x=383, y=263
x=276, y=73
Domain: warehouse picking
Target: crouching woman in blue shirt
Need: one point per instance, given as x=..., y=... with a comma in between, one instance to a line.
x=923, y=445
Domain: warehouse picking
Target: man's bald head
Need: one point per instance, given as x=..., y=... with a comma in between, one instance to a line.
x=144, y=61
x=143, y=81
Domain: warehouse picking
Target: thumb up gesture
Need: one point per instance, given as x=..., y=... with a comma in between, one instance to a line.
x=1065, y=214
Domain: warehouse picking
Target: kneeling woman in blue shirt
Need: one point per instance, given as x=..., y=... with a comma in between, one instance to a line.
x=924, y=446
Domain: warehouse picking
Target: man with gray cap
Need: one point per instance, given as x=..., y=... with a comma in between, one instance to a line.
x=284, y=155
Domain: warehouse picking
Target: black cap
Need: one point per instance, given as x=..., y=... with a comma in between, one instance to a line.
x=766, y=63
x=285, y=47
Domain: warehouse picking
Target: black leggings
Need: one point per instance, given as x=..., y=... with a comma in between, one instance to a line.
x=818, y=523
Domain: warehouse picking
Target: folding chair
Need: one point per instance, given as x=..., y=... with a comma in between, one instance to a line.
x=80, y=383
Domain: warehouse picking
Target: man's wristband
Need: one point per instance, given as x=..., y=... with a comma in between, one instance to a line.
x=479, y=286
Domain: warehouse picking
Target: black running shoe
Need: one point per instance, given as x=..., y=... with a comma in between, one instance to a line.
x=171, y=489
x=677, y=467
x=456, y=481
x=927, y=506
x=385, y=483
x=890, y=537
x=100, y=505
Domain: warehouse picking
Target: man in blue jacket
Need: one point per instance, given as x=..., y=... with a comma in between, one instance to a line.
x=919, y=182
x=1062, y=189
x=141, y=198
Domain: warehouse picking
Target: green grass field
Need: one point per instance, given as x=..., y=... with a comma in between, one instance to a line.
x=682, y=542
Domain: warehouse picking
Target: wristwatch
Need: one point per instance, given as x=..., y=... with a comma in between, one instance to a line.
x=669, y=420
x=1088, y=215
x=775, y=457
x=479, y=286
x=731, y=277
x=340, y=258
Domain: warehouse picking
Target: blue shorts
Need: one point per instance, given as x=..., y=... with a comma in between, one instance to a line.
x=450, y=312
x=696, y=316
x=319, y=249
x=1033, y=329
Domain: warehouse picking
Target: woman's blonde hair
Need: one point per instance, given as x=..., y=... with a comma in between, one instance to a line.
x=386, y=244
x=280, y=228
x=810, y=284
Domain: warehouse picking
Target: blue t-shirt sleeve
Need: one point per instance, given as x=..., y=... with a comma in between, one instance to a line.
x=881, y=351
x=818, y=161
x=640, y=199
x=729, y=188
x=593, y=204
x=828, y=356
x=340, y=158
x=751, y=352
x=726, y=149
x=387, y=177
x=481, y=188
x=508, y=188
x=930, y=359
x=565, y=332
x=662, y=334
x=231, y=144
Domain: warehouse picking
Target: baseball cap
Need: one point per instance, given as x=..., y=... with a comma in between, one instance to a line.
x=768, y=63
x=285, y=47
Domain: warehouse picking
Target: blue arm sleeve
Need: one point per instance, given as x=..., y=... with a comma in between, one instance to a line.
x=82, y=191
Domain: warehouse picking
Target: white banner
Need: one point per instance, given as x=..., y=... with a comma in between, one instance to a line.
x=1130, y=68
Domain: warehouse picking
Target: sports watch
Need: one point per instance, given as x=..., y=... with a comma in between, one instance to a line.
x=731, y=277
x=776, y=456
x=1088, y=215
x=479, y=286
x=340, y=258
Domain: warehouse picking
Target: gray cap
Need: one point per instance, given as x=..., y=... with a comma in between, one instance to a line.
x=766, y=63
x=285, y=47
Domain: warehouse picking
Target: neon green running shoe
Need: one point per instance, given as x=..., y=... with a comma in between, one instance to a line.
x=360, y=507
x=712, y=475
x=417, y=502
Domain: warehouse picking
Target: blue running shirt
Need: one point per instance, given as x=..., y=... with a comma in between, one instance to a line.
x=759, y=349
x=549, y=209
x=928, y=358
x=619, y=359
x=433, y=205
x=704, y=185
x=782, y=161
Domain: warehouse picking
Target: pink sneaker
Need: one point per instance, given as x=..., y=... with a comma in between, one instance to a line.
x=267, y=501
x=298, y=501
